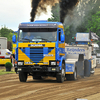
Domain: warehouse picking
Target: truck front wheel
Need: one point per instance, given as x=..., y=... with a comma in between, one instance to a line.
x=22, y=76
x=61, y=76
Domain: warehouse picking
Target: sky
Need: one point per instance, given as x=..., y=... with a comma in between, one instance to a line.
x=13, y=12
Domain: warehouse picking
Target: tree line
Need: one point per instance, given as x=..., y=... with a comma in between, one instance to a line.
x=8, y=33
x=5, y=32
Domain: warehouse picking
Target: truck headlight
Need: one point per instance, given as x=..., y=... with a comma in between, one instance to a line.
x=20, y=63
x=19, y=69
x=53, y=63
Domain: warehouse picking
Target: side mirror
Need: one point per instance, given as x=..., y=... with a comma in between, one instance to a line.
x=62, y=37
x=14, y=38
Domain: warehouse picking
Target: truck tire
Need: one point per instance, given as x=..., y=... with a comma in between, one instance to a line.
x=68, y=76
x=37, y=77
x=22, y=76
x=92, y=71
x=72, y=76
x=61, y=76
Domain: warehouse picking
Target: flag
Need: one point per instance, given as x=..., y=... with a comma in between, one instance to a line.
x=94, y=36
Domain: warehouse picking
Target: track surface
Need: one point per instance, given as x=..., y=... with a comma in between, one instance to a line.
x=48, y=89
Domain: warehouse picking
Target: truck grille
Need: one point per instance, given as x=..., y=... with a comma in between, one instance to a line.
x=36, y=54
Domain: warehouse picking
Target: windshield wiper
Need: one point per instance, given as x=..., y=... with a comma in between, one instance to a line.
x=43, y=39
x=26, y=39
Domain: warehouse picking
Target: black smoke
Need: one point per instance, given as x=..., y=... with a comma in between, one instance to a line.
x=66, y=5
x=34, y=9
x=39, y=6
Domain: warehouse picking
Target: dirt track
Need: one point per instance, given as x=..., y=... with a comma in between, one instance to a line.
x=49, y=89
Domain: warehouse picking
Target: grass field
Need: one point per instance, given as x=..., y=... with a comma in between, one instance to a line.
x=3, y=71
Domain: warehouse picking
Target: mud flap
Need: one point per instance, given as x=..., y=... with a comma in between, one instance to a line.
x=87, y=68
x=80, y=65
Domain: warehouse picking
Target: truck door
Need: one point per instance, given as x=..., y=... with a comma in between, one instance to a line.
x=61, y=44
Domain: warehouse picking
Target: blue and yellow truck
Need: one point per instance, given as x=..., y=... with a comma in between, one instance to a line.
x=40, y=51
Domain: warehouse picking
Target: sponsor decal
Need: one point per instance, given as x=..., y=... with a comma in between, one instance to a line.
x=36, y=45
x=45, y=62
x=76, y=50
x=70, y=67
x=8, y=53
x=28, y=63
x=48, y=55
x=35, y=25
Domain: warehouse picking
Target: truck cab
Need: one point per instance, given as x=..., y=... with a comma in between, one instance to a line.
x=40, y=50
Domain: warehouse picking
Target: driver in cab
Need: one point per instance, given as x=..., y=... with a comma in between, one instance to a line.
x=28, y=36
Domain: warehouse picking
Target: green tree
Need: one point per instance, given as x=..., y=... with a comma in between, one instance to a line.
x=69, y=33
x=85, y=10
x=94, y=23
x=55, y=13
x=5, y=32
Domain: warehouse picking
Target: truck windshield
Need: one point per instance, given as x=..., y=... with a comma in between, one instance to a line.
x=38, y=34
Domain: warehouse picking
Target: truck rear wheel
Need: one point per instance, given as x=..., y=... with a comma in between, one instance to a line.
x=22, y=76
x=68, y=76
x=61, y=76
x=74, y=75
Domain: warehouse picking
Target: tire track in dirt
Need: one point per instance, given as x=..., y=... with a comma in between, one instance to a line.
x=49, y=89
x=29, y=89
x=23, y=94
x=73, y=95
x=53, y=91
x=52, y=94
x=12, y=80
x=4, y=79
x=94, y=97
x=46, y=91
x=21, y=86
